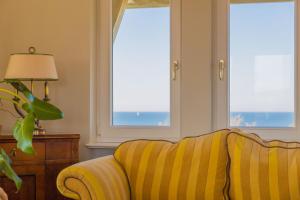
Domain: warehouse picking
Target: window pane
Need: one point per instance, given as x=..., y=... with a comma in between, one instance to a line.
x=262, y=64
x=141, y=67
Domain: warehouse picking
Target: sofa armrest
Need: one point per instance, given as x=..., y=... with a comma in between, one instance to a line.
x=98, y=179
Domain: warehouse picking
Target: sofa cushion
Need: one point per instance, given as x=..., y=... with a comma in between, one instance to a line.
x=263, y=170
x=194, y=168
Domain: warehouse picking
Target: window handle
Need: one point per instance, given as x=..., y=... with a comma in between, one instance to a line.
x=221, y=69
x=175, y=68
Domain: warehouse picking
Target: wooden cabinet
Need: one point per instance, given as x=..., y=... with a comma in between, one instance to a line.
x=54, y=152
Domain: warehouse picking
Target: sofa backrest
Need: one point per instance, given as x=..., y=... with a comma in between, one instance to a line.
x=263, y=169
x=194, y=168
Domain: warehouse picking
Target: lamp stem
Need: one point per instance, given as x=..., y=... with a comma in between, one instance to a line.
x=46, y=88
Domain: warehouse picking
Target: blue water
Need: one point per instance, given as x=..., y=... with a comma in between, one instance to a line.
x=262, y=119
x=141, y=119
x=237, y=119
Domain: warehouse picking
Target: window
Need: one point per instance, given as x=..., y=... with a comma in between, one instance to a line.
x=259, y=48
x=262, y=64
x=138, y=70
x=141, y=68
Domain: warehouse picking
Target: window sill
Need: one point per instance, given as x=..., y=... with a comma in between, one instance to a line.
x=102, y=145
x=111, y=144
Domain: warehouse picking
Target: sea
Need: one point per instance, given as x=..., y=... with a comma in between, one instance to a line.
x=237, y=119
x=262, y=119
x=141, y=119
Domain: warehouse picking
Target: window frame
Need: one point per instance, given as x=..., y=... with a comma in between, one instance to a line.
x=221, y=88
x=102, y=133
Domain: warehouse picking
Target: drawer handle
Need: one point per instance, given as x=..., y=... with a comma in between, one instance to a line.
x=13, y=152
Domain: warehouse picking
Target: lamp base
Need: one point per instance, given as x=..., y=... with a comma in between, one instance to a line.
x=39, y=131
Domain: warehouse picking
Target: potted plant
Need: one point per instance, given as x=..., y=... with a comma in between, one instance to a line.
x=34, y=110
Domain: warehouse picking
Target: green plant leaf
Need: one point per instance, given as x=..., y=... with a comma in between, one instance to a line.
x=26, y=107
x=6, y=169
x=5, y=156
x=23, y=133
x=43, y=110
x=22, y=88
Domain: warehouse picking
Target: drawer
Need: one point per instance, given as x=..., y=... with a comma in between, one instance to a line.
x=59, y=150
x=18, y=156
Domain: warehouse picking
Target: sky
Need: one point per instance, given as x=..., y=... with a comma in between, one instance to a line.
x=141, y=61
x=262, y=57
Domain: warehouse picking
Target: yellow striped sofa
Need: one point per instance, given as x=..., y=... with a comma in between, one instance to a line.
x=225, y=164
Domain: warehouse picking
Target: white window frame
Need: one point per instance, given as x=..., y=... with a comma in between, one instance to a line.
x=102, y=133
x=221, y=87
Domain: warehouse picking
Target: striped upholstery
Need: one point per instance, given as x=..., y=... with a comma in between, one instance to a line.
x=98, y=179
x=194, y=168
x=262, y=170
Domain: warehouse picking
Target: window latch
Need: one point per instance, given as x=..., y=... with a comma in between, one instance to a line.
x=175, y=68
x=221, y=69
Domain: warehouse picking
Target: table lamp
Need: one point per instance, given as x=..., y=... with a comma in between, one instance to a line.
x=32, y=67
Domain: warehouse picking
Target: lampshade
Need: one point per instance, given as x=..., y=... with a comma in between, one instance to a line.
x=31, y=67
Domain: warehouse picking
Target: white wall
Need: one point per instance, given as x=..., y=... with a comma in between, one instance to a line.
x=196, y=87
x=65, y=29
